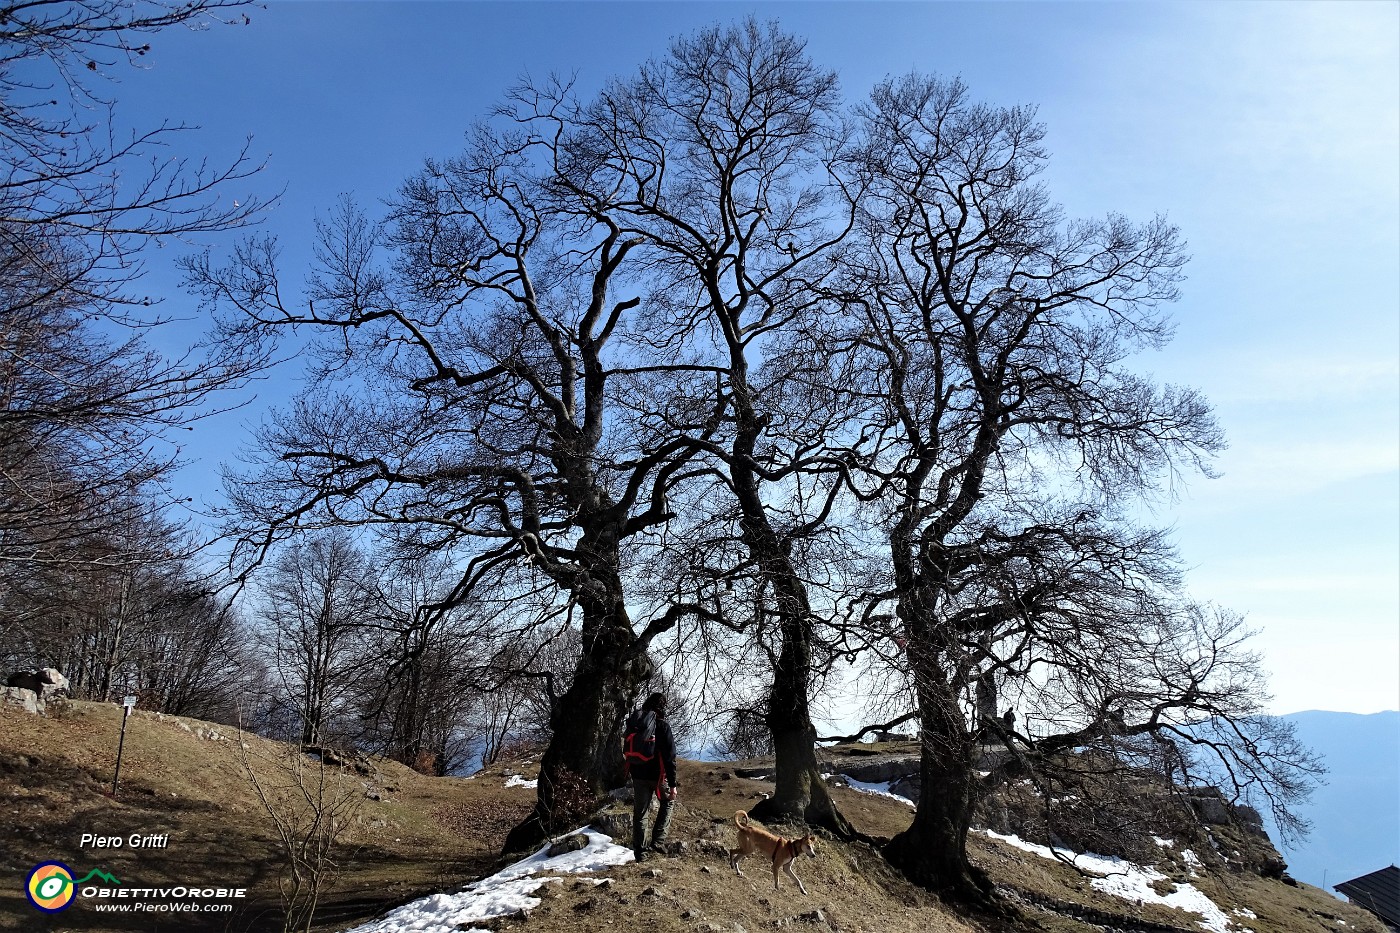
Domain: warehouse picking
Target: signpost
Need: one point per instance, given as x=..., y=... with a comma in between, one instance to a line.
x=128, y=703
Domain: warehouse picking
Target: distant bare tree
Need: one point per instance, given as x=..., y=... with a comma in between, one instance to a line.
x=316, y=603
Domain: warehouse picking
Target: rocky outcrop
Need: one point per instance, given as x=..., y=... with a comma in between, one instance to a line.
x=876, y=769
x=21, y=697
x=32, y=690
x=46, y=683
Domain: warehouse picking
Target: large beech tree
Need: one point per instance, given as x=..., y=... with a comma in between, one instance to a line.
x=1014, y=439
x=727, y=159
x=467, y=400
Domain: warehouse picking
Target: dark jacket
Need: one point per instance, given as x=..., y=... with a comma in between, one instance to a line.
x=665, y=757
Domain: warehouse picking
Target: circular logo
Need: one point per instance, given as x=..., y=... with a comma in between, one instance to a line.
x=50, y=886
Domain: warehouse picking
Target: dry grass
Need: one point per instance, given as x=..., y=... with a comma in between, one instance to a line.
x=434, y=834
x=55, y=785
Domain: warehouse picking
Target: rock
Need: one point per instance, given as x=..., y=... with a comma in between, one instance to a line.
x=614, y=821
x=589, y=904
x=571, y=844
x=908, y=787
x=1210, y=806
x=22, y=697
x=814, y=916
x=652, y=873
x=705, y=869
x=650, y=891
x=1250, y=820
x=371, y=795
x=755, y=774
x=47, y=683
x=691, y=914
x=878, y=769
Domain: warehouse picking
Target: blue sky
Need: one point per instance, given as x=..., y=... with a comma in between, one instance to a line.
x=1266, y=131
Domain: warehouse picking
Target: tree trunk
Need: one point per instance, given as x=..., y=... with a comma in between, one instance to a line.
x=584, y=756
x=932, y=852
x=800, y=792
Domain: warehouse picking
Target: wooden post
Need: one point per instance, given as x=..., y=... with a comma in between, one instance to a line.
x=127, y=704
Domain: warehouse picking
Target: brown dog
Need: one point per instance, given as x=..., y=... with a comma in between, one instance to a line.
x=755, y=840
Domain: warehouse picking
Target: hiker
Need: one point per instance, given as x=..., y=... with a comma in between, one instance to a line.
x=649, y=751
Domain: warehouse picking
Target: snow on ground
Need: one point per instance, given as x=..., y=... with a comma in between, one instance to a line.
x=880, y=789
x=517, y=780
x=1132, y=882
x=503, y=893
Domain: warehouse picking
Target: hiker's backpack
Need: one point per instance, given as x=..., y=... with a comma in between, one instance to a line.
x=639, y=741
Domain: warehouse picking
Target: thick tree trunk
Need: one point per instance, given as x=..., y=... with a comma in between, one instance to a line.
x=932, y=852
x=584, y=756
x=800, y=792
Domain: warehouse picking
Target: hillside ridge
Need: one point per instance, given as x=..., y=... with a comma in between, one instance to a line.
x=418, y=836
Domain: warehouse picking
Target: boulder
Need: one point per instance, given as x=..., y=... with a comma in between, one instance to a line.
x=1210, y=805
x=25, y=699
x=46, y=683
x=571, y=844
x=908, y=787
x=614, y=821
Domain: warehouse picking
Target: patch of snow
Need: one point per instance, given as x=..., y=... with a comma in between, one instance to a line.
x=517, y=780
x=1130, y=881
x=505, y=892
x=1190, y=858
x=878, y=789
x=1164, y=843
x=1246, y=913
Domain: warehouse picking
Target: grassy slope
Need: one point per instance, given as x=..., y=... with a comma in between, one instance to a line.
x=429, y=834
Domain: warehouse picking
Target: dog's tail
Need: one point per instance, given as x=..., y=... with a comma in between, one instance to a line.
x=741, y=819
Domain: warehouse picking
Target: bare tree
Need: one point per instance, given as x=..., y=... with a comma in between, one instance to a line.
x=727, y=159
x=1012, y=440
x=87, y=405
x=68, y=174
x=410, y=702
x=481, y=415
x=316, y=603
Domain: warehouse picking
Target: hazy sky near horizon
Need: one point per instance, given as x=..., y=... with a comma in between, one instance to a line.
x=1267, y=131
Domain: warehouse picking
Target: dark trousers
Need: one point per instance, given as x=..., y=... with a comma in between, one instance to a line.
x=643, y=793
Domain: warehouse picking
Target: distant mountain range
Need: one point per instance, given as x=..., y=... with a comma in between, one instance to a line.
x=1356, y=816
